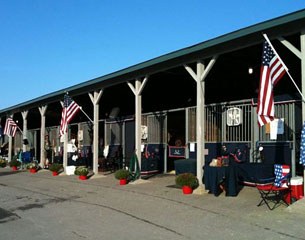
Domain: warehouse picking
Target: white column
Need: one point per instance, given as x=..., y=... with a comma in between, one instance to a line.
x=95, y=98
x=42, y=111
x=200, y=121
x=137, y=90
x=10, y=144
x=199, y=77
x=25, y=128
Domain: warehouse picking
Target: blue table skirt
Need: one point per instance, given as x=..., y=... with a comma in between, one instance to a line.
x=234, y=176
x=214, y=176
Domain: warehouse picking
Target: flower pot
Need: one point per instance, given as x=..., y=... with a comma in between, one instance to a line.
x=81, y=177
x=187, y=190
x=123, y=181
x=55, y=173
x=14, y=168
x=33, y=170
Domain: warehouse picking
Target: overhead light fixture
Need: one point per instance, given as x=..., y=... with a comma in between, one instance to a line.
x=250, y=70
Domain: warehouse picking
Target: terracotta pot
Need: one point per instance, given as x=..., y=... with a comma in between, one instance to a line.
x=55, y=173
x=187, y=190
x=123, y=181
x=14, y=168
x=82, y=177
x=33, y=170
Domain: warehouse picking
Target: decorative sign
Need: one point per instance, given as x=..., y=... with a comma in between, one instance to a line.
x=80, y=135
x=276, y=127
x=177, y=152
x=143, y=132
x=234, y=116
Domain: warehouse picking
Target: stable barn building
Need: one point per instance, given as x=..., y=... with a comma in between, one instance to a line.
x=182, y=105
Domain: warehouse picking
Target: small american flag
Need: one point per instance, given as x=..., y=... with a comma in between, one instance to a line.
x=302, y=148
x=10, y=127
x=70, y=108
x=280, y=172
x=272, y=70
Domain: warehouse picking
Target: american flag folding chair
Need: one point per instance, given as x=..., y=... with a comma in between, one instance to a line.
x=278, y=191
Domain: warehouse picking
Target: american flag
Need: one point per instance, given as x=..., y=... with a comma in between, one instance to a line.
x=272, y=70
x=302, y=148
x=281, y=172
x=10, y=127
x=70, y=108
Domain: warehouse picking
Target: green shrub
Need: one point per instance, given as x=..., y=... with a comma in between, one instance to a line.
x=55, y=167
x=81, y=171
x=121, y=174
x=187, y=179
x=14, y=163
x=3, y=163
x=32, y=165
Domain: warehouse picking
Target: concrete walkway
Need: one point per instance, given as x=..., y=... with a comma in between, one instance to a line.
x=40, y=206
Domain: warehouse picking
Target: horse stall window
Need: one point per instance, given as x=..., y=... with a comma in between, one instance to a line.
x=156, y=128
x=213, y=124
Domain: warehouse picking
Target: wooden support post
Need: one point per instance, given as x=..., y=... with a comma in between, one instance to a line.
x=25, y=128
x=199, y=77
x=95, y=98
x=137, y=91
x=42, y=111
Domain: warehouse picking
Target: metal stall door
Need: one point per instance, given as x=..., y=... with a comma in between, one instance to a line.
x=129, y=139
x=156, y=143
x=114, y=139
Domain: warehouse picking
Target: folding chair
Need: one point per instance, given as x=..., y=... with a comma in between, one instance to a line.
x=278, y=191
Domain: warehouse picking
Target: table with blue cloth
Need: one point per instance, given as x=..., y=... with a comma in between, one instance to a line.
x=214, y=176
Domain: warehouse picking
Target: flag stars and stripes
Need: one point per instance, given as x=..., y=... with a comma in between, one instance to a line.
x=272, y=70
x=70, y=108
x=10, y=128
x=302, y=148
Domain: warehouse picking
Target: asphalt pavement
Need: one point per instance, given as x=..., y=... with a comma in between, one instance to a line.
x=42, y=206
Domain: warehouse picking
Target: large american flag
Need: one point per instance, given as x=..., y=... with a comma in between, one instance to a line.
x=10, y=127
x=302, y=148
x=272, y=70
x=70, y=108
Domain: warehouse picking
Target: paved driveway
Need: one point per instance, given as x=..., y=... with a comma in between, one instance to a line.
x=40, y=206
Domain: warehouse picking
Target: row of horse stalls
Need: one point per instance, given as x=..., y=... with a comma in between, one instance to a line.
x=79, y=145
x=169, y=137
x=234, y=125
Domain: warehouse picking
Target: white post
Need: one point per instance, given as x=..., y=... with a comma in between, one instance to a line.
x=10, y=144
x=199, y=77
x=200, y=122
x=137, y=90
x=25, y=128
x=95, y=101
x=42, y=111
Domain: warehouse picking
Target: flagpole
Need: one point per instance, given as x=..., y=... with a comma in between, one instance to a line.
x=19, y=129
x=286, y=69
x=85, y=114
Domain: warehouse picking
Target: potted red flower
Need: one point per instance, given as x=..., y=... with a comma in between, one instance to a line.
x=187, y=181
x=55, y=168
x=122, y=175
x=82, y=172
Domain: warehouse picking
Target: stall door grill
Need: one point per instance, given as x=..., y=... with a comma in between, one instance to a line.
x=218, y=127
x=157, y=128
x=114, y=133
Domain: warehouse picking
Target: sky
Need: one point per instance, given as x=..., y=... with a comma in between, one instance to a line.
x=49, y=45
